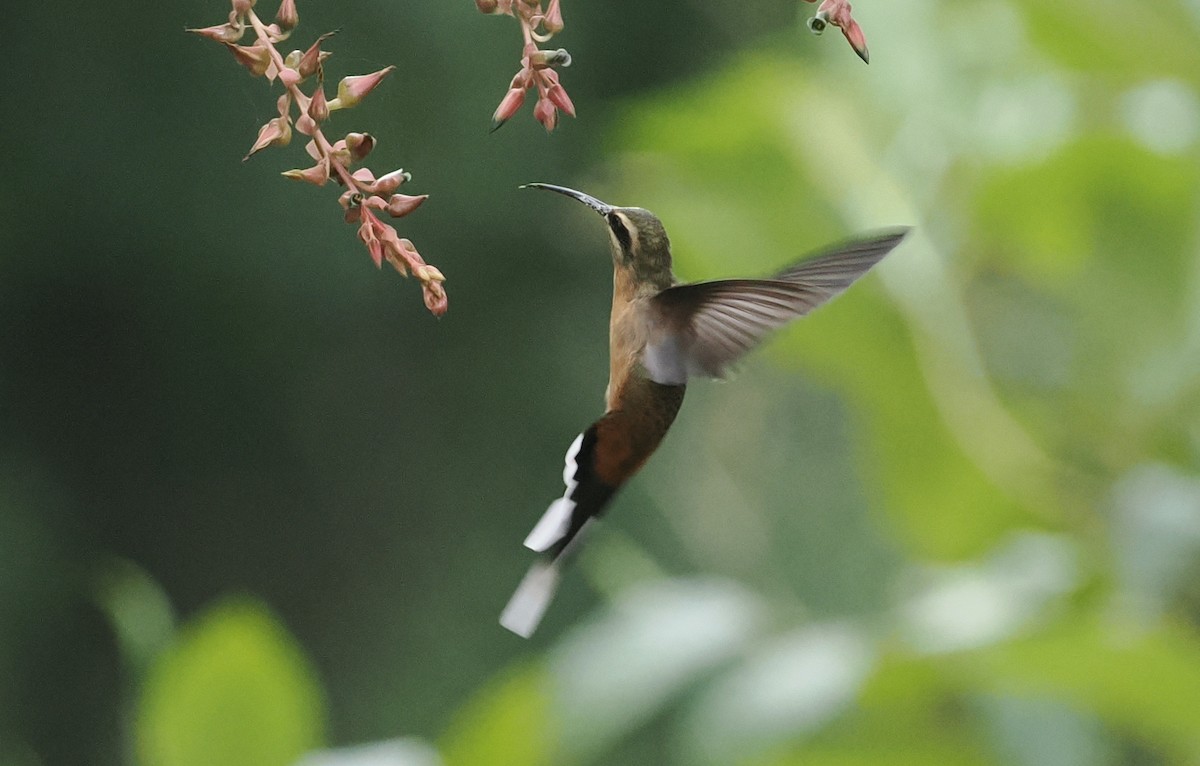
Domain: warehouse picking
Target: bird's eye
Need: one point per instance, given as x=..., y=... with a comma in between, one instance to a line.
x=620, y=231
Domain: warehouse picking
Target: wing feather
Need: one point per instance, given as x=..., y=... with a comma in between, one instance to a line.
x=702, y=328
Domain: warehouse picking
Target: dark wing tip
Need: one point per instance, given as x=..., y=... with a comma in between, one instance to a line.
x=893, y=234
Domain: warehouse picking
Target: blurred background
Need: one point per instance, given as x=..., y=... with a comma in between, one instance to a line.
x=258, y=507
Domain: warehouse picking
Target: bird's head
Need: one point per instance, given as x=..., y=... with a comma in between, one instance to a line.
x=639, y=241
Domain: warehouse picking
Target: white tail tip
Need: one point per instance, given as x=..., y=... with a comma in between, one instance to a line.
x=532, y=597
x=552, y=527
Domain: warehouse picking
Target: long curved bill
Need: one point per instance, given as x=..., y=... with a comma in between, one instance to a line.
x=603, y=208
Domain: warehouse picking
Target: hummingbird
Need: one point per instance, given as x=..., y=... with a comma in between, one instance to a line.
x=662, y=334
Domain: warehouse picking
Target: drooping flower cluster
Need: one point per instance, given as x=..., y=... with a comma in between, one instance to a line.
x=365, y=194
x=537, y=65
x=837, y=12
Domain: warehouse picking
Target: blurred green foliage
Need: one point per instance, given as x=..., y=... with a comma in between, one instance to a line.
x=953, y=518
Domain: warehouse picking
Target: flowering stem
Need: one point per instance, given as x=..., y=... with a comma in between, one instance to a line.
x=365, y=194
x=300, y=98
x=537, y=66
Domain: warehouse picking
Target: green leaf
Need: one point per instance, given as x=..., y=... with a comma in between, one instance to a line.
x=1113, y=39
x=905, y=716
x=507, y=721
x=1146, y=681
x=233, y=690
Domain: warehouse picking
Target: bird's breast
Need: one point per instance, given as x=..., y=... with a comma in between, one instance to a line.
x=627, y=336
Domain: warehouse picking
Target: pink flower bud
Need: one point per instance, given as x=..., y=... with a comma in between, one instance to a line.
x=509, y=106
x=277, y=132
x=427, y=273
x=486, y=6
x=311, y=59
x=242, y=7
x=399, y=252
x=286, y=17
x=317, y=175
x=222, y=33
x=400, y=205
x=386, y=184
x=340, y=154
x=553, y=21
x=435, y=298
x=360, y=145
x=306, y=125
x=318, y=107
x=521, y=80
x=558, y=96
x=289, y=77
x=366, y=233
x=256, y=58
x=858, y=41
x=352, y=90
x=545, y=113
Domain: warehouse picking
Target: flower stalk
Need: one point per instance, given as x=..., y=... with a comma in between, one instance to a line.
x=538, y=66
x=306, y=113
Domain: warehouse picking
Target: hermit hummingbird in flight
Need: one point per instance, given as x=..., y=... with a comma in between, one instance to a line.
x=661, y=334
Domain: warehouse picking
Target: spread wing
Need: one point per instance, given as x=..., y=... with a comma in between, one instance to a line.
x=701, y=328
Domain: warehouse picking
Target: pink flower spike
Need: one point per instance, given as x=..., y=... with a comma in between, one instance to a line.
x=352, y=90
x=364, y=199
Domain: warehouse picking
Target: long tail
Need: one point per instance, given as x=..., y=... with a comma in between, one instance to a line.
x=558, y=534
x=533, y=595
